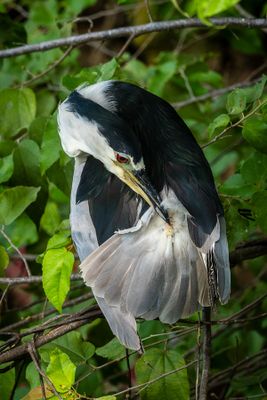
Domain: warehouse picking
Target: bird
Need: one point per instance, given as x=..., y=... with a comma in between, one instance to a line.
x=146, y=219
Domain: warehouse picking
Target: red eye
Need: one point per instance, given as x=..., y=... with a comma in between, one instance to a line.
x=121, y=159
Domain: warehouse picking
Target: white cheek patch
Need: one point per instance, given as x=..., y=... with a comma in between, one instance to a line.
x=79, y=135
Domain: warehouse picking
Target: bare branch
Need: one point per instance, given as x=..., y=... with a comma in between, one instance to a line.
x=39, y=316
x=18, y=352
x=134, y=30
x=213, y=94
x=248, y=250
x=31, y=279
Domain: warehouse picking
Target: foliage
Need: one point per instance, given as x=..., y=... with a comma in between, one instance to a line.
x=35, y=181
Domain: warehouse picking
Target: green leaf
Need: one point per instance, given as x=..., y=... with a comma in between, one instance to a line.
x=7, y=384
x=37, y=128
x=111, y=350
x=75, y=7
x=236, y=102
x=92, y=75
x=4, y=260
x=108, y=70
x=56, y=194
x=50, y=220
x=73, y=345
x=254, y=170
x=259, y=201
x=17, y=110
x=212, y=77
x=207, y=8
x=236, y=186
x=57, y=268
x=46, y=103
x=220, y=122
x=6, y=168
x=32, y=375
x=61, y=371
x=61, y=239
x=51, y=147
x=255, y=92
x=155, y=363
x=22, y=231
x=160, y=75
x=14, y=201
x=107, y=398
x=27, y=163
x=255, y=133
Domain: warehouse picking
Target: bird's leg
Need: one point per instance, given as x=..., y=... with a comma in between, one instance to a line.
x=206, y=353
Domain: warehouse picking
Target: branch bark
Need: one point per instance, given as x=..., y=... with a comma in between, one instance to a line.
x=19, y=351
x=134, y=31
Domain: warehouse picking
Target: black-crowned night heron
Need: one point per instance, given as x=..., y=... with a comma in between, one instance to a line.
x=146, y=218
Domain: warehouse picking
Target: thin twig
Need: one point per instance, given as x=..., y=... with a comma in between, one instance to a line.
x=40, y=316
x=45, y=338
x=237, y=123
x=4, y=294
x=117, y=10
x=137, y=30
x=143, y=386
x=34, y=356
x=17, y=250
x=126, y=44
x=213, y=94
x=203, y=390
x=259, y=359
x=31, y=279
x=45, y=72
x=148, y=10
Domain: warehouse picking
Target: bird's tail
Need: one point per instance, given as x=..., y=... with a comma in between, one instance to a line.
x=148, y=273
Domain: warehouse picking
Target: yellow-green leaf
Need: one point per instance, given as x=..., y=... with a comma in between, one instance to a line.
x=4, y=260
x=57, y=267
x=61, y=371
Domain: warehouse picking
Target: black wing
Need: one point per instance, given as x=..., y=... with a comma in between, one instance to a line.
x=112, y=205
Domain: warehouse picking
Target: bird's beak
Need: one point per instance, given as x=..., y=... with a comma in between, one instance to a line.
x=139, y=182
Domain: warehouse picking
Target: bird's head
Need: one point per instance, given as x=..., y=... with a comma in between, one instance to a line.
x=88, y=124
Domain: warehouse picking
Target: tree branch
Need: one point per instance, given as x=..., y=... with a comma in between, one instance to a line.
x=135, y=31
x=31, y=279
x=213, y=94
x=248, y=250
x=18, y=352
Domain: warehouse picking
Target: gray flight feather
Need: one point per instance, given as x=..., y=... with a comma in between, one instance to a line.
x=122, y=324
x=148, y=273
